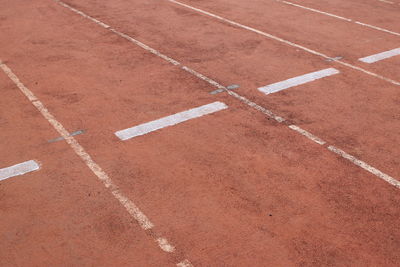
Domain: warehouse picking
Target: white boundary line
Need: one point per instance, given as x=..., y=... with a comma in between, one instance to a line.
x=365, y=166
x=273, y=37
x=387, y=2
x=171, y=120
x=19, y=169
x=339, y=17
x=307, y=134
x=380, y=56
x=299, y=80
x=231, y=93
x=129, y=205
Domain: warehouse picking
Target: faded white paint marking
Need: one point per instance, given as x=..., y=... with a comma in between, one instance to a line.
x=19, y=169
x=170, y=120
x=165, y=245
x=273, y=37
x=184, y=263
x=306, y=78
x=307, y=134
x=339, y=17
x=381, y=56
x=365, y=166
x=387, y=2
x=315, y=10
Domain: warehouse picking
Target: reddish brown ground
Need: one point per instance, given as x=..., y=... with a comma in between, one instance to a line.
x=229, y=189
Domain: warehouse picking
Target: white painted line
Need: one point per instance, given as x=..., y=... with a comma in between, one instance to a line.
x=234, y=94
x=19, y=169
x=184, y=263
x=306, y=78
x=387, y=2
x=170, y=120
x=273, y=37
x=315, y=10
x=339, y=17
x=365, y=166
x=381, y=56
x=165, y=245
x=307, y=134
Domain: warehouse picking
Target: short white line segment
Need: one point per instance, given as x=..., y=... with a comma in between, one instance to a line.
x=306, y=78
x=263, y=110
x=381, y=56
x=170, y=120
x=19, y=169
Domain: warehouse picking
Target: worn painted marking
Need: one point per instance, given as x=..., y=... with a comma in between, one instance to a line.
x=62, y=138
x=184, y=263
x=217, y=91
x=19, y=169
x=387, y=2
x=381, y=56
x=233, y=86
x=306, y=78
x=339, y=17
x=334, y=59
x=307, y=134
x=165, y=245
x=365, y=166
x=170, y=120
x=229, y=87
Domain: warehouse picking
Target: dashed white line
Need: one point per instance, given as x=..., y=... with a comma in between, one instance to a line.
x=180, y=117
x=381, y=56
x=273, y=37
x=19, y=169
x=365, y=166
x=252, y=104
x=129, y=205
x=306, y=78
x=339, y=17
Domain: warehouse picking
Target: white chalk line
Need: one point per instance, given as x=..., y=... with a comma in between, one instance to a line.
x=239, y=97
x=19, y=169
x=129, y=205
x=380, y=56
x=165, y=245
x=387, y=2
x=339, y=17
x=273, y=37
x=365, y=166
x=299, y=80
x=184, y=263
x=307, y=134
x=171, y=120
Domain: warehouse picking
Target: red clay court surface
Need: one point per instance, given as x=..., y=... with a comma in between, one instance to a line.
x=306, y=175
